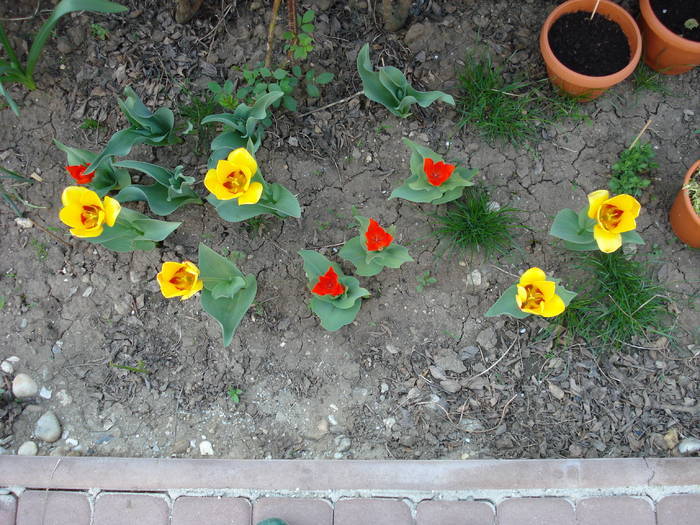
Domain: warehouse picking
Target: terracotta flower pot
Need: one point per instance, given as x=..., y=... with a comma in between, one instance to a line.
x=664, y=50
x=588, y=87
x=684, y=221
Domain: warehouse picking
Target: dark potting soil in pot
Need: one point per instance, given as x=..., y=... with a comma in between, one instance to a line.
x=595, y=47
x=680, y=16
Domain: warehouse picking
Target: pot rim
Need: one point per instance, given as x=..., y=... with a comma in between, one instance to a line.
x=586, y=80
x=695, y=168
x=664, y=32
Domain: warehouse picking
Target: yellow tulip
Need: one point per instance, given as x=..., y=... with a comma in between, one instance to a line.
x=536, y=295
x=614, y=216
x=85, y=213
x=232, y=178
x=179, y=280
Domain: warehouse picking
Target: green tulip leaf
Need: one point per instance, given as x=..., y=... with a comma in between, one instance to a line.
x=215, y=269
x=566, y=226
x=229, y=311
x=506, y=305
x=333, y=318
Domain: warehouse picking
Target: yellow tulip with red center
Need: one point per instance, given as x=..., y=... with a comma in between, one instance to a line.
x=179, y=280
x=536, y=295
x=614, y=216
x=85, y=213
x=232, y=178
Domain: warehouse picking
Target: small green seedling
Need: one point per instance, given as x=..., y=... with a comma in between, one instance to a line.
x=234, y=394
x=691, y=23
x=302, y=44
x=628, y=172
x=138, y=369
x=693, y=188
x=99, y=31
x=424, y=280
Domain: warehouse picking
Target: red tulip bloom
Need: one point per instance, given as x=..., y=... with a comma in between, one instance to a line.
x=78, y=173
x=377, y=237
x=328, y=284
x=437, y=172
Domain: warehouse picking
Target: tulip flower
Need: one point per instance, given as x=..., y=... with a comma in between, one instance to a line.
x=328, y=284
x=78, y=173
x=536, y=295
x=437, y=172
x=232, y=178
x=614, y=216
x=85, y=213
x=376, y=237
x=179, y=280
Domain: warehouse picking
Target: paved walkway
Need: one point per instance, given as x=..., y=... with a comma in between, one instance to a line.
x=114, y=491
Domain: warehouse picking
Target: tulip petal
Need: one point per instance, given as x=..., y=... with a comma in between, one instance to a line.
x=595, y=201
x=243, y=159
x=553, y=307
x=546, y=288
x=626, y=203
x=70, y=216
x=626, y=224
x=223, y=168
x=252, y=196
x=532, y=275
x=196, y=287
x=72, y=195
x=607, y=241
x=521, y=296
x=85, y=233
x=112, y=209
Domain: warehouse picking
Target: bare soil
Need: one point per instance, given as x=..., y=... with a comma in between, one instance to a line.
x=421, y=373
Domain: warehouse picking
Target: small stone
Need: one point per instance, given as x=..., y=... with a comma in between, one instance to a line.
x=448, y=360
x=384, y=388
x=45, y=393
x=468, y=352
x=24, y=386
x=13, y=359
x=629, y=249
x=206, y=448
x=493, y=206
x=71, y=443
x=451, y=386
x=48, y=428
x=24, y=222
x=688, y=115
x=689, y=446
x=389, y=422
x=7, y=367
x=487, y=338
x=342, y=443
x=180, y=447
x=28, y=448
x=391, y=349
x=556, y=391
x=293, y=141
x=474, y=278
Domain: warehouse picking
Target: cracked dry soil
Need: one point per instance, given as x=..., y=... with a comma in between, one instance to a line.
x=377, y=388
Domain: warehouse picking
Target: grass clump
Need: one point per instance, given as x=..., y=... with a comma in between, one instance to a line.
x=475, y=223
x=627, y=172
x=646, y=79
x=511, y=111
x=621, y=304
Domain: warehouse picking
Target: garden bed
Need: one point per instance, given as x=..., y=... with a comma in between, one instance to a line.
x=421, y=373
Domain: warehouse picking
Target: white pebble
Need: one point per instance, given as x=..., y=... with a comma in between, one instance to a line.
x=45, y=393
x=13, y=359
x=28, y=448
x=206, y=448
x=71, y=442
x=689, y=446
x=7, y=367
x=24, y=386
x=48, y=428
x=23, y=222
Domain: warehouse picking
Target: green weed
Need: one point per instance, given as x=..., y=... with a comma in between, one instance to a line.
x=234, y=394
x=40, y=249
x=99, y=32
x=511, y=111
x=302, y=44
x=646, y=79
x=628, y=170
x=619, y=303
x=424, y=280
x=198, y=107
x=474, y=223
x=90, y=124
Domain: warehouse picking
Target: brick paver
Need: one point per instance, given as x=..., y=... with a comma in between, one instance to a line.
x=189, y=510
x=535, y=511
x=8, y=509
x=615, y=510
x=295, y=511
x=40, y=507
x=355, y=511
x=137, y=509
x=455, y=513
x=682, y=509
